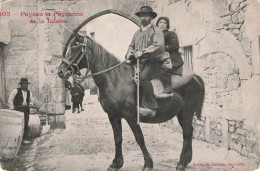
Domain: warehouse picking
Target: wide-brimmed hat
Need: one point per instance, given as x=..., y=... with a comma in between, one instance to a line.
x=24, y=81
x=146, y=9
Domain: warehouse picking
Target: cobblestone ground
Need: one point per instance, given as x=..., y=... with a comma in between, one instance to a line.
x=87, y=143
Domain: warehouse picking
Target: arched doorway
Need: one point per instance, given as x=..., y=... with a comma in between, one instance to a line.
x=130, y=19
x=114, y=31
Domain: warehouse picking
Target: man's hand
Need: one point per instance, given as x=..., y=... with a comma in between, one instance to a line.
x=129, y=54
x=138, y=54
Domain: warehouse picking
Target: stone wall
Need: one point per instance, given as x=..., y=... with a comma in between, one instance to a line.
x=223, y=55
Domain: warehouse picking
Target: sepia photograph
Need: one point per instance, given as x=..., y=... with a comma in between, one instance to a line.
x=129, y=85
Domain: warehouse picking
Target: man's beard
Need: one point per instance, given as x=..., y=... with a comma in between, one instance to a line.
x=145, y=22
x=24, y=89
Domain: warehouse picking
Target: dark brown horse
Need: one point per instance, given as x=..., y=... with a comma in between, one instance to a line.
x=118, y=98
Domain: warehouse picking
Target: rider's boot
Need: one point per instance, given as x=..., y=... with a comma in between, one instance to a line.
x=147, y=113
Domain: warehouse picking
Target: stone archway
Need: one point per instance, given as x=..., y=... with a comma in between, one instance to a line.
x=109, y=11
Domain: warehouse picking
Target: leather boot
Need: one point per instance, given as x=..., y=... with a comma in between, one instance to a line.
x=165, y=77
x=145, y=112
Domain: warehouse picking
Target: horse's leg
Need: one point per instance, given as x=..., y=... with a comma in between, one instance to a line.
x=185, y=120
x=73, y=107
x=78, y=107
x=117, y=129
x=148, y=161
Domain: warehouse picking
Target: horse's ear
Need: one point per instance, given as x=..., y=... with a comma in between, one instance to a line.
x=89, y=41
x=78, y=36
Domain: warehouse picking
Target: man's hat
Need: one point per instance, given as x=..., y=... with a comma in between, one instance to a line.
x=24, y=81
x=146, y=9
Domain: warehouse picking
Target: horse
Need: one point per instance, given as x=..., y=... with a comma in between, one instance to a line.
x=118, y=97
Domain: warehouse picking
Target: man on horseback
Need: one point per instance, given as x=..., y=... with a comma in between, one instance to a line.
x=148, y=45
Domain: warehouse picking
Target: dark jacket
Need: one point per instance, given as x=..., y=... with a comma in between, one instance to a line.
x=172, y=46
x=18, y=100
x=76, y=94
x=67, y=84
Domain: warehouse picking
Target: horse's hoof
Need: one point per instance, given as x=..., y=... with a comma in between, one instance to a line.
x=180, y=167
x=112, y=169
x=147, y=169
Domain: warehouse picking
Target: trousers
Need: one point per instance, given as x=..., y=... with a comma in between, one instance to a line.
x=148, y=72
x=26, y=111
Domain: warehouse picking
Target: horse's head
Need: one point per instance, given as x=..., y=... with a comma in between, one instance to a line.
x=78, y=56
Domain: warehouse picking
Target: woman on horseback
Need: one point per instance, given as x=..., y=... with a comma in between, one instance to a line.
x=171, y=46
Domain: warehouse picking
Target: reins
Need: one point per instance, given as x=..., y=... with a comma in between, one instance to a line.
x=101, y=72
x=88, y=62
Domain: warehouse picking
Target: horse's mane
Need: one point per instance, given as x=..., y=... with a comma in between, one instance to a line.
x=120, y=73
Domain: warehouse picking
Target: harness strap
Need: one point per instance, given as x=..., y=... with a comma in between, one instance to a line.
x=101, y=72
x=66, y=61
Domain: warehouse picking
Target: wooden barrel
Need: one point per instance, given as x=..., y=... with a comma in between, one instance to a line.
x=35, y=126
x=11, y=132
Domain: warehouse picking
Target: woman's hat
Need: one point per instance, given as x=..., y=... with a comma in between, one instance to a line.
x=164, y=18
x=24, y=81
x=146, y=9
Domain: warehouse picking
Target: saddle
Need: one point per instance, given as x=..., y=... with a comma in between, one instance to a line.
x=177, y=81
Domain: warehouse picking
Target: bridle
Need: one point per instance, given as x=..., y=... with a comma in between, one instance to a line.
x=73, y=64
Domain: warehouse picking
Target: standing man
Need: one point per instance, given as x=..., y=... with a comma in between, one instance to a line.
x=148, y=45
x=75, y=96
x=82, y=94
x=21, y=99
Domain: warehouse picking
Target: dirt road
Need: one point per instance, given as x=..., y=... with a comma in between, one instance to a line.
x=87, y=143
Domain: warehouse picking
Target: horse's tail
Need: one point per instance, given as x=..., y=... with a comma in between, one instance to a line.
x=200, y=96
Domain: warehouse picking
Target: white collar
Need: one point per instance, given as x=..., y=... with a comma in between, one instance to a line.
x=143, y=28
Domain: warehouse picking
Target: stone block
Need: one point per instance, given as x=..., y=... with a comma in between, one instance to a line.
x=202, y=137
x=235, y=32
x=57, y=121
x=244, y=4
x=234, y=136
x=220, y=7
x=234, y=26
x=225, y=20
x=242, y=28
x=48, y=108
x=57, y=82
x=244, y=151
x=129, y=6
x=238, y=148
x=231, y=129
x=58, y=94
x=232, y=145
x=232, y=123
x=234, y=6
x=235, y=18
x=238, y=17
x=25, y=3
x=27, y=29
x=50, y=69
